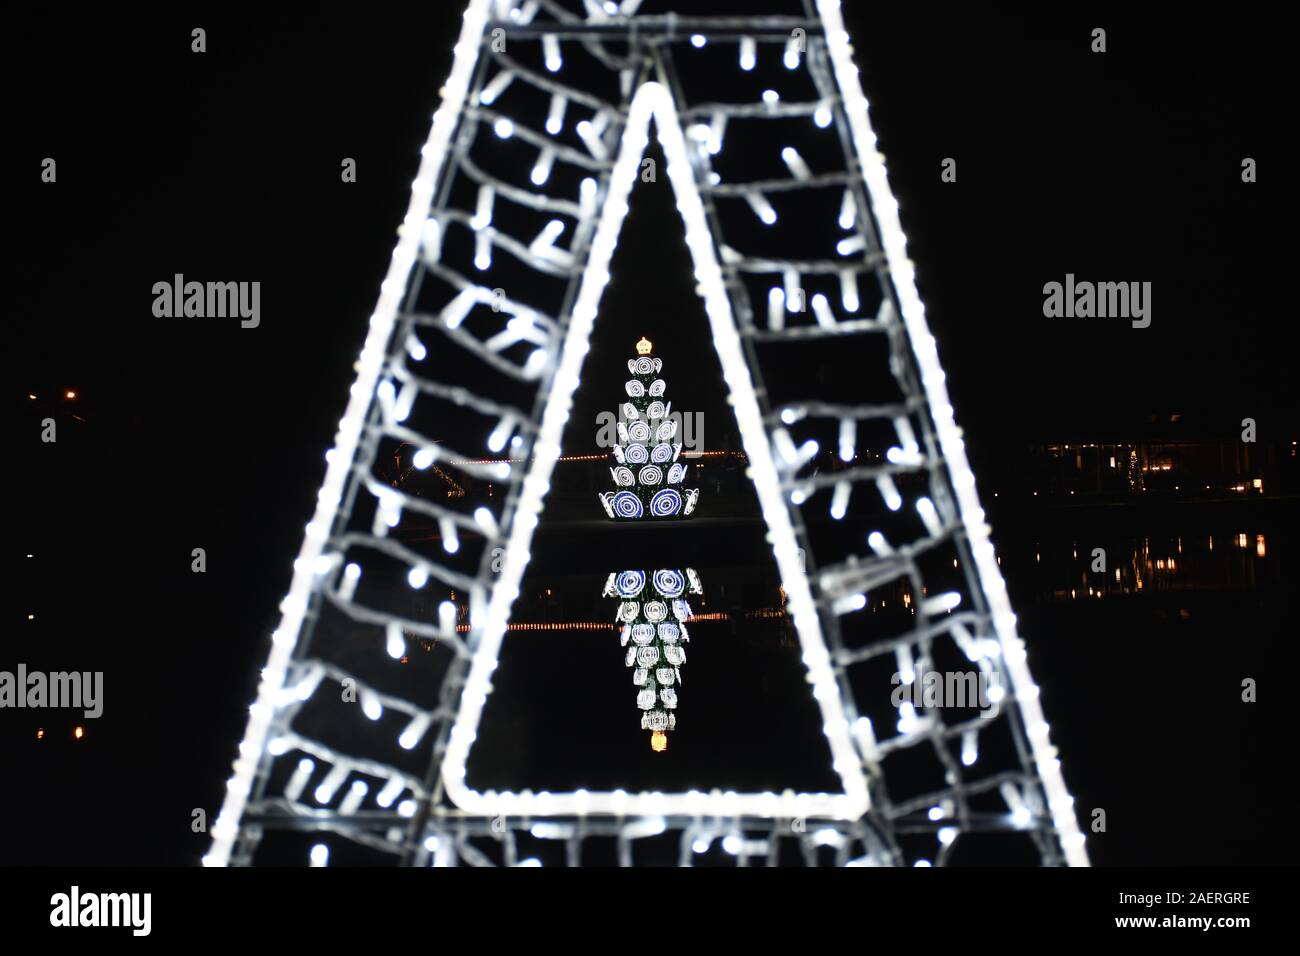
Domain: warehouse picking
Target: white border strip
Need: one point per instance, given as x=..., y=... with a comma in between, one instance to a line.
x=885, y=208
x=285, y=637
x=652, y=100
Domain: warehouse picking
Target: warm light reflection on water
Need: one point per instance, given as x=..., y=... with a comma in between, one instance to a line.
x=1078, y=570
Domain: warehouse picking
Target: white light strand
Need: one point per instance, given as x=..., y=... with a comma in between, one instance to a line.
x=397, y=393
x=225, y=828
x=924, y=348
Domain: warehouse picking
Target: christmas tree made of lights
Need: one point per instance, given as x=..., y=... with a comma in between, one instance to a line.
x=647, y=475
x=653, y=609
x=473, y=355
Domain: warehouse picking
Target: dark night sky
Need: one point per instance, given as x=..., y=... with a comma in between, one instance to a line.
x=196, y=433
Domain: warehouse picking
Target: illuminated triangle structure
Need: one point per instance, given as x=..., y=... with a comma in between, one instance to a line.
x=368, y=710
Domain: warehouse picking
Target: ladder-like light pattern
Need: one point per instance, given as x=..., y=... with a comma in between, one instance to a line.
x=287, y=772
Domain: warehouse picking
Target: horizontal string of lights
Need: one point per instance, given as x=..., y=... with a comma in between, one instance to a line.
x=554, y=626
x=920, y=518
x=605, y=626
x=739, y=455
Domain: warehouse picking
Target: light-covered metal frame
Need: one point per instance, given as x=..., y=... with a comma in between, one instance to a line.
x=289, y=779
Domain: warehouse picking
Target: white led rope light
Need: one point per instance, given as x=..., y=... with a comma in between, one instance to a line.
x=369, y=366
x=885, y=210
x=728, y=820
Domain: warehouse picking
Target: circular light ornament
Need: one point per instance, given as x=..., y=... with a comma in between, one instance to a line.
x=627, y=505
x=628, y=584
x=669, y=583
x=665, y=503
x=655, y=611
